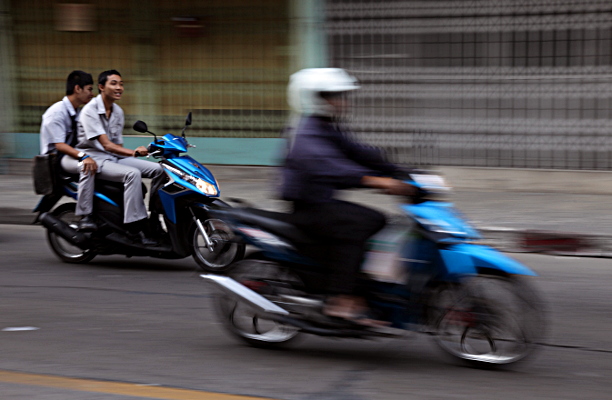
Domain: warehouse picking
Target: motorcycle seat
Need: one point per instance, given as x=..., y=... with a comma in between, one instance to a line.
x=109, y=188
x=274, y=222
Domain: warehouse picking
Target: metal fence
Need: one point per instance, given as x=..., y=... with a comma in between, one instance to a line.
x=497, y=83
x=227, y=61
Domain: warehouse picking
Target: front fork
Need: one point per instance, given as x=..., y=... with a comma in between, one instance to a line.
x=209, y=244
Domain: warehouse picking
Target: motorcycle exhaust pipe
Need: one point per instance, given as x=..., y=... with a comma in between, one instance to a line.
x=241, y=292
x=56, y=225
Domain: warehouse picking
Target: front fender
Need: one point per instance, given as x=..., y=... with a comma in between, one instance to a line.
x=465, y=259
x=211, y=203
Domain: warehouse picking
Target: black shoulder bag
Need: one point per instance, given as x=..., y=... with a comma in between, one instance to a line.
x=44, y=173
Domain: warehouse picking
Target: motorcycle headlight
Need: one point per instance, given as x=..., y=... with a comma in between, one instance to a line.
x=206, y=187
x=431, y=183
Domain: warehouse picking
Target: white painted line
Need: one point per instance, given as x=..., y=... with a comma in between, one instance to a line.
x=20, y=329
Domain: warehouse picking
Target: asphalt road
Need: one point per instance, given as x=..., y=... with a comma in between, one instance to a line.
x=144, y=328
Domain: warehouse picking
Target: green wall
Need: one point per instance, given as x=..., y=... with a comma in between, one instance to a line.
x=227, y=151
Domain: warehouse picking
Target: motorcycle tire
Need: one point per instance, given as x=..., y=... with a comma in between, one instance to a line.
x=487, y=321
x=66, y=251
x=225, y=251
x=241, y=320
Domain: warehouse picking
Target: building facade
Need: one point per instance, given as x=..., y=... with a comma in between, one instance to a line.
x=498, y=83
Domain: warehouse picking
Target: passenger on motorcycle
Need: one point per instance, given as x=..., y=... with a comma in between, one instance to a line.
x=322, y=159
x=58, y=134
x=101, y=136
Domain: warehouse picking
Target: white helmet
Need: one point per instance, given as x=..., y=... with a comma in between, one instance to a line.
x=305, y=87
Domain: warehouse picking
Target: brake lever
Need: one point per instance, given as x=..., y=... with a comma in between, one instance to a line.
x=154, y=153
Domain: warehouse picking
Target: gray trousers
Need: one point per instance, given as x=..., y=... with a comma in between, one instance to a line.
x=130, y=171
x=86, y=186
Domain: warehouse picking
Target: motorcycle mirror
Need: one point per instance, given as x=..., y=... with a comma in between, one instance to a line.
x=140, y=126
x=187, y=123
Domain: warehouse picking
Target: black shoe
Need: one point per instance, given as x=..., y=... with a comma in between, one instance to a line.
x=141, y=238
x=86, y=224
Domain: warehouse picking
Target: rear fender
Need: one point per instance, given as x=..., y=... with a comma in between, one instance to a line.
x=46, y=203
x=468, y=259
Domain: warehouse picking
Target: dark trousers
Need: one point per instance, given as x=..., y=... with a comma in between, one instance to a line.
x=342, y=229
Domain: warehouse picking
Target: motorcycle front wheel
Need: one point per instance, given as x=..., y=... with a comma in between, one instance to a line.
x=66, y=251
x=487, y=320
x=224, y=251
x=241, y=320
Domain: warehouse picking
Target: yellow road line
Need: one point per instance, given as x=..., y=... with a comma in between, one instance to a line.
x=118, y=388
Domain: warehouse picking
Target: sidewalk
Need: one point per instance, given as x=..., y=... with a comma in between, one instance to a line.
x=512, y=217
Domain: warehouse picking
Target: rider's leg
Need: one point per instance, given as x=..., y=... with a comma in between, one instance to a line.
x=344, y=228
x=148, y=169
x=84, y=207
x=135, y=212
x=134, y=209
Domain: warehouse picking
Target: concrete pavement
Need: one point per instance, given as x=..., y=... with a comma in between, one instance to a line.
x=559, y=212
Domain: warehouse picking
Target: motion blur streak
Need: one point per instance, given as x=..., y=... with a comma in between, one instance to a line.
x=124, y=389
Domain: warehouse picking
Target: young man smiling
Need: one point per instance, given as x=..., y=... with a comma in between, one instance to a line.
x=101, y=136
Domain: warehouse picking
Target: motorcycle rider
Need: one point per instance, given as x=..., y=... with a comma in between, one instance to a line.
x=101, y=136
x=58, y=134
x=322, y=159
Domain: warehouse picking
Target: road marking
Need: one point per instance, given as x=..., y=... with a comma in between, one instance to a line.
x=118, y=388
x=20, y=328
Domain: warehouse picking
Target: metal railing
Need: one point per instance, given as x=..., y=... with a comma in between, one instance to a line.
x=493, y=83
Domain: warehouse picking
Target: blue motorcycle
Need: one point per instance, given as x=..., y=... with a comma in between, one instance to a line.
x=425, y=272
x=186, y=228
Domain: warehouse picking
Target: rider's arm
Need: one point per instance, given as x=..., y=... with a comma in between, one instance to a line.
x=95, y=130
x=119, y=149
x=369, y=156
x=388, y=185
x=89, y=165
x=55, y=128
x=67, y=149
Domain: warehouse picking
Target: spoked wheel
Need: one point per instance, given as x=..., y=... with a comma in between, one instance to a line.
x=244, y=322
x=487, y=320
x=66, y=251
x=224, y=250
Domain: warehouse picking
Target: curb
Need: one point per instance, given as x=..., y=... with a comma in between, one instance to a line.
x=548, y=242
x=507, y=240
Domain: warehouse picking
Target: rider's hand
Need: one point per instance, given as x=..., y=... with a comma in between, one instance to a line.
x=89, y=166
x=389, y=185
x=401, y=188
x=140, y=151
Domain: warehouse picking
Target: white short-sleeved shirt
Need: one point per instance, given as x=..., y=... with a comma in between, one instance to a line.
x=93, y=123
x=56, y=125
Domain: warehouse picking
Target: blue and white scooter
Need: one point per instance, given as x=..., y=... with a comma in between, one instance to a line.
x=426, y=272
x=189, y=193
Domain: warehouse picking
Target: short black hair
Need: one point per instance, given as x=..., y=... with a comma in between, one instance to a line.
x=77, y=78
x=103, y=77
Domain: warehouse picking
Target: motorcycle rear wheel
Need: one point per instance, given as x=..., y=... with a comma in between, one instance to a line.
x=225, y=251
x=487, y=320
x=66, y=251
x=245, y=323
